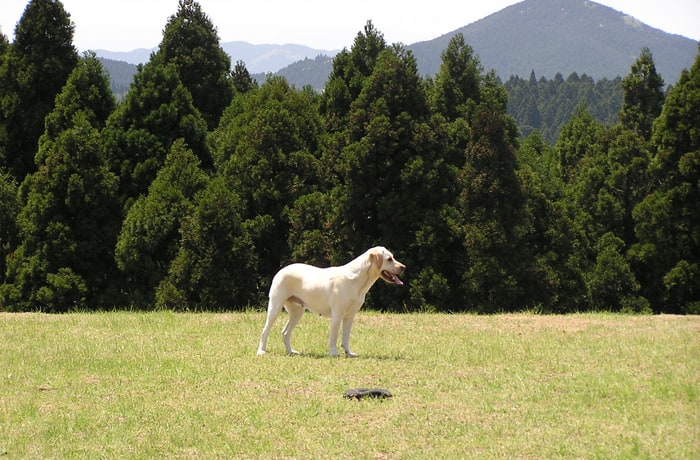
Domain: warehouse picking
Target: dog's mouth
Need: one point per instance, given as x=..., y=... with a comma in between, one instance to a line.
x=391, y=278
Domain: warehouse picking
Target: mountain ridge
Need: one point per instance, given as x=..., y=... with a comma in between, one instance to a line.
x=544, y=36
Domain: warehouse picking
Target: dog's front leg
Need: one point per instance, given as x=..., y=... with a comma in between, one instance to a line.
x=336, y=319
x=347, y=326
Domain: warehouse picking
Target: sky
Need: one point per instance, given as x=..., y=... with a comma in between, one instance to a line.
x=125, y=25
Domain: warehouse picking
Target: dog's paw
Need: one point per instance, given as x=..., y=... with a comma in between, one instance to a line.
x=293, y=353
x=261, y=352
x=350, y=354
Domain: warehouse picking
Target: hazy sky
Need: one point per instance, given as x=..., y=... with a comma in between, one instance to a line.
x=128, y=24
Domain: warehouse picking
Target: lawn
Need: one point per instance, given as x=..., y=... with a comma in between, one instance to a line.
x=170, y=385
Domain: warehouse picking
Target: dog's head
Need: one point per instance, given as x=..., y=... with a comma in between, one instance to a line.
x=389, y=268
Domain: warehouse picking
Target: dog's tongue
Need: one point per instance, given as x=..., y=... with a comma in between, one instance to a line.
x=396, y=279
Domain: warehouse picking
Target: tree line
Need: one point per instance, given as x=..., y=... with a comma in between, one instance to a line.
x=191, y=192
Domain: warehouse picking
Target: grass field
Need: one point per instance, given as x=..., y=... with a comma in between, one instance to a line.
x=166, y=385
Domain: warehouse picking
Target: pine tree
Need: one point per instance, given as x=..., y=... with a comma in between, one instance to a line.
x=191, y=43
x=267, y=147
x=32, y=73
x=350, y=69
x=216, y=263
x=668, y=219
x=642, y=95
x=67, y=227
x=157, y=111
x=149, y=237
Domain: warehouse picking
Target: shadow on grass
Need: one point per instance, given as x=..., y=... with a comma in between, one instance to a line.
x=361, y=356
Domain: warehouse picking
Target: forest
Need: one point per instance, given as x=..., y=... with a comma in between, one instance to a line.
x=192, y=191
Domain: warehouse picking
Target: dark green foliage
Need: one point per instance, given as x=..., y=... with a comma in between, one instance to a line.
x=668, y=219
x=547, y=105
x=216, y=263
x=266, y=147
x=9, y=210
x=87, y=92
x=67, y=227
x=612, y=284
x=32, y=73
x=642, y=95
x=350, y=69
x=150, y=236
x=191, y=43
x=157, y=111
x=240, y=78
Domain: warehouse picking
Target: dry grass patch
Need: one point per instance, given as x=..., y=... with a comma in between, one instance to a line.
x=140, y=385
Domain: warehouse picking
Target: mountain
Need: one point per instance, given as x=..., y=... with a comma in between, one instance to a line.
x=257, y=58
x=565, y=36
x=137, y=56
x=550, y=37
x=270, y=58
x=544, y=36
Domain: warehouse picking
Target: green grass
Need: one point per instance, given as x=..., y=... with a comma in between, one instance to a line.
x=143, y=385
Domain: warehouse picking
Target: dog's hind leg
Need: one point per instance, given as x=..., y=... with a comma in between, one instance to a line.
x=336, y=320
x=273, y=311
x=296, y=311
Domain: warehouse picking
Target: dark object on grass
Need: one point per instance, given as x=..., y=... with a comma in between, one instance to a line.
x=361, y=393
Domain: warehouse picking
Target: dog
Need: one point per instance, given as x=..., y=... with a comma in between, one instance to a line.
x=334, y=292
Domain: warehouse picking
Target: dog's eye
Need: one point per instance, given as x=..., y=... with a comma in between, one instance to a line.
x=390, y=259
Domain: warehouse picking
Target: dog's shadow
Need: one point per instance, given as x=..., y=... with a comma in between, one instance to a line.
x=360, y=357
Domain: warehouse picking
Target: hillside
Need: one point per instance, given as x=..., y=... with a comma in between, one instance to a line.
x=565, y=36
x=544, y=36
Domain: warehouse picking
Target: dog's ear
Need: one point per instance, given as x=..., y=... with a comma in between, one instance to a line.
x=377, y=258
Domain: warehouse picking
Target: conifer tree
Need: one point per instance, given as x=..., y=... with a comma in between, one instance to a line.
x=9, y=210
x=157, y=110
x=150, y=236
x=267, y=147
x=215, y=267
x=32, y=73
x=642, y=95
x=68, y=223
x=667, y=257
x=191, y=43
x=350, y=69
x=67, y=227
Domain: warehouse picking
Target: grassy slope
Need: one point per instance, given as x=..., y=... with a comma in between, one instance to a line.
x=137, y=385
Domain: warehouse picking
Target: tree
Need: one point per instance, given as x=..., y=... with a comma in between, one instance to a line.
x=191, y=43
x=67, y=227
x=241, y=79
x=350, y=69
x=267, y=148
x=86, y=91
x=157, y=110
x=642, y=95
x=216, y=264
x=575, y=141
x=9, y=210
x=667, y=221
x=32, y=73
x=491, y=201
x=149, y=237
x=458, y=82
x=612, y=284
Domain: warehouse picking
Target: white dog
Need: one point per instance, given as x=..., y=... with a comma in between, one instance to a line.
x=334, y=292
